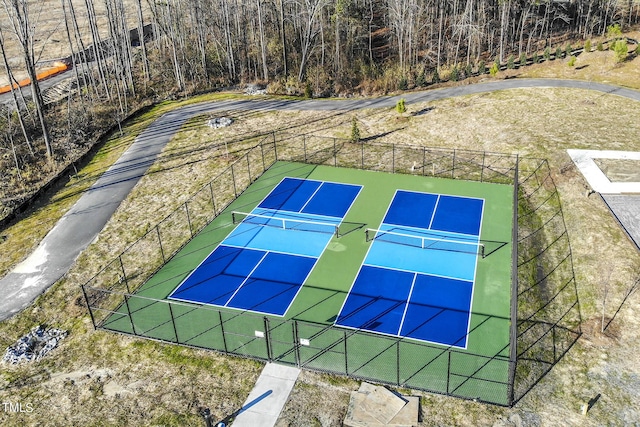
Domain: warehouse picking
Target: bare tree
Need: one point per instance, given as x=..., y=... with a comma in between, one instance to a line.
x=12, y=83
x=24, y=31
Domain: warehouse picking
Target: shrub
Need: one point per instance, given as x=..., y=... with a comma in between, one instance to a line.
x=621, y=49
x=436, y=77
x=482, y=67
x=535, y=58
x=568, y=51
x=547, y=53
x=558, y=52
x=600, y=47
x=587, y=46
x=421, y=79
x=468, y=70
x=637, y=51
x=400, y=107
x=572, y=61
x=494, y=69
x=614, y=31
x=403, y=83
x=355, y=130
x=523, y=59
x=455, y=74
x=308, y=93
x=511, y=62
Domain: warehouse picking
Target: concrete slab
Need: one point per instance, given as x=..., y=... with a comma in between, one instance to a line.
x=359, y=412
x=268, y=397
x=382, y=404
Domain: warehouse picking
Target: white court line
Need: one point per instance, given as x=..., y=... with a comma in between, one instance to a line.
x=406, y=307
x=246, y=278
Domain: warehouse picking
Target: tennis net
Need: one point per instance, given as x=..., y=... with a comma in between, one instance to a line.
x=435, y=243
x=285, y=223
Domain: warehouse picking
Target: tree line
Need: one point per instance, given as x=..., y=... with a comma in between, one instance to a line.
x=315, y=47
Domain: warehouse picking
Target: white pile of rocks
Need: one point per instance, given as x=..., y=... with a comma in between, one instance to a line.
x=220, y=122
x=34, y=346
x=255, y=90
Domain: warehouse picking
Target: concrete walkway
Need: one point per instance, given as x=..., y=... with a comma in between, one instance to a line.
x=79, y=227
x=266, y=400
x=622, y=198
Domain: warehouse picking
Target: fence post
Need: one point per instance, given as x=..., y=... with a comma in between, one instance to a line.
x=264, y=164
x=267, y=338
x=233, y=178
x=248, y=167
x=224, y=339
x=398, y=363
x=160, y=242
x=126, y=303
x=304, y=147
x=362, y=147
x=513, y=333
x=424, y=161
x=346, y=357
x=86, y=298
x=213, y=200
x=453, y=165
x=275, y=146
x=484, y=154
x=296, y=344
x=553, y=337
x=173, y=322
x=124, y=274
x=186, y=208
x=335, y=153
x=393, y=158
x=448, y=370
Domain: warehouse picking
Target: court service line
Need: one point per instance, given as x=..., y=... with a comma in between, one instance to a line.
x=311, y=197
x=417, y=272
x=406, y=307
x=435, y=208
x=273, y=251
x=247, y=278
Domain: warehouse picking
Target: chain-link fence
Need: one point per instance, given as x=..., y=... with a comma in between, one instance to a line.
x=548, y=307
x=544, y=296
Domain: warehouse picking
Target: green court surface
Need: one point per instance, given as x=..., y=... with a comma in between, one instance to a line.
x=479, y=371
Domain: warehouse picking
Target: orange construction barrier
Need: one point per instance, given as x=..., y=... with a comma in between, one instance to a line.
x=59, y=68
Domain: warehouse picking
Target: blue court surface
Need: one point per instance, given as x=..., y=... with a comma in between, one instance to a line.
x=417, y=278
x=263, y=263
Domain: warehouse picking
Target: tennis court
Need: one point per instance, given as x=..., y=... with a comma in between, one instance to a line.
x=399, y=278
x=417, y=278
x=264, y=262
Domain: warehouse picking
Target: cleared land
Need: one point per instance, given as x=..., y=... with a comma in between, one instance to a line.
x=102, y=378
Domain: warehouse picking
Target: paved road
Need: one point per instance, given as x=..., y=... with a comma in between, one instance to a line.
x=79, y=227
